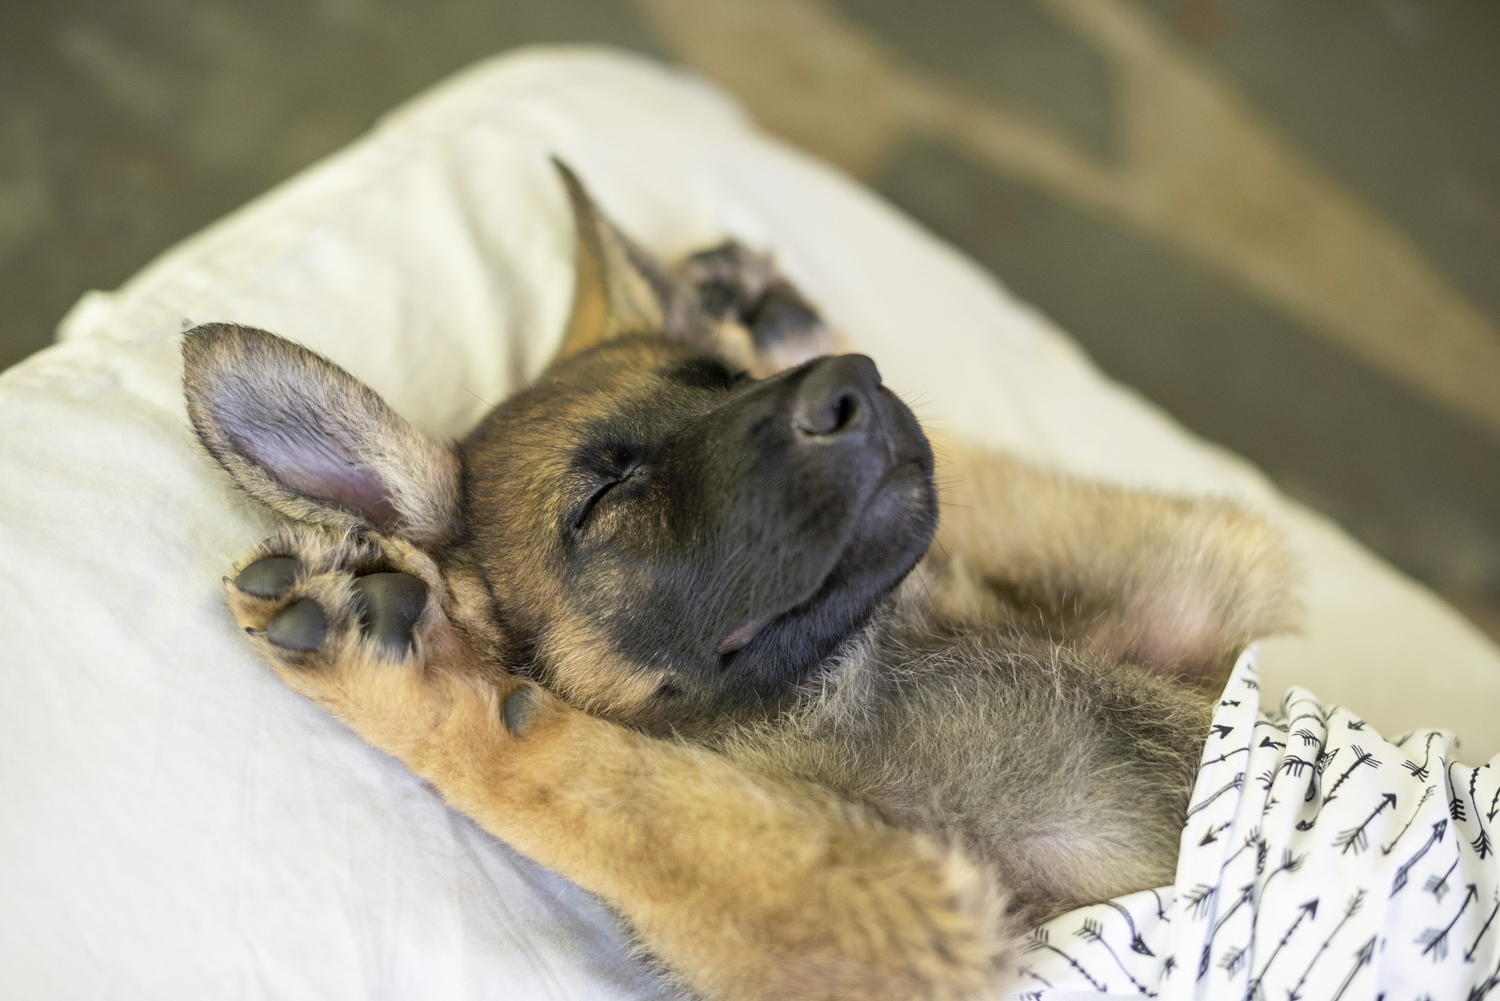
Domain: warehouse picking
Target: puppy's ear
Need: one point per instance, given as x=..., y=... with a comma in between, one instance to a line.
x=620, y=288
x=306, y=438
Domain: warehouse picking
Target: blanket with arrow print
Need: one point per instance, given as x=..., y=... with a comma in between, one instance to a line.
x=1319, y=862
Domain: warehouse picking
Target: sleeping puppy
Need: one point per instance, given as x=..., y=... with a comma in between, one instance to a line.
x=682, y=623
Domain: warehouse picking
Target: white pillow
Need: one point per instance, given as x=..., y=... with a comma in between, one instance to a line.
x=177, y=824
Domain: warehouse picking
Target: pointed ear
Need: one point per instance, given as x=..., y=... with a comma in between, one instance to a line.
x=306, y=438
x=620, y=288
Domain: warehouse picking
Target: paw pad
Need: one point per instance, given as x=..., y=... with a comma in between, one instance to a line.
x=269, y=578
x=517, y=709
x=389, y=606
x=299, y=626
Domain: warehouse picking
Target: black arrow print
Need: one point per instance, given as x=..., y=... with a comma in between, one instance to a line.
x=1361, y=959
x=1161, y=912
x=1401, y=873
x=1325, y=758
x=1251, y=683
x=1309, y=910
x=1481, y=842
x=1349, y=911
x=1247, y=893
x=1435, y=940
x=1293, y=765
x=1386, y=850
x=1268, y=742
x=1223, y=757
x=1354, y=837
x=1137, y=944
x=1355, y=724
x=1481, y=990
x=1092, y=931
x=1494, y=804
x=1361, y=757
x=1455, y=802
x=1038, y=940
x=1229, y=702
x=1213, y=833
x=1199, y=898
x=1253, y=838
x=1221, y=730
x=1289, y=863
x=1237, y=783
x=1316, y=714
x=1469, y=952
x=1307, y=737
x=1438, y=885
x=1420, y=771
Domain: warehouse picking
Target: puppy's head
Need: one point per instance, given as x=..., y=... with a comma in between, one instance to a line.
x=664, y=536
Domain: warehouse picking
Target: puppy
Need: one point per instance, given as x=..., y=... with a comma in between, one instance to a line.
x=682, y=623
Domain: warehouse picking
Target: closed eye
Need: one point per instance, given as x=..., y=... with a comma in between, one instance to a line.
x=580, y=521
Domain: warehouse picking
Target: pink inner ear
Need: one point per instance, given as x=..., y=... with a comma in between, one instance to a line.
x=329, y=475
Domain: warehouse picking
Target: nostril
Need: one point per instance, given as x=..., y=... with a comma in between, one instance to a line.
x=829, y=416
x=833, y=398
x=845, y=412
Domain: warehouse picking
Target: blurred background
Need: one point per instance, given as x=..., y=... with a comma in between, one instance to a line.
x=1279, y=219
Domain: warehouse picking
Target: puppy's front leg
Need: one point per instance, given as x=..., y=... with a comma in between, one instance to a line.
x=744, y=886
x=1179, y=585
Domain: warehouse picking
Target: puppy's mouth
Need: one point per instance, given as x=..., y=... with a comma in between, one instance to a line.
x=754, y=624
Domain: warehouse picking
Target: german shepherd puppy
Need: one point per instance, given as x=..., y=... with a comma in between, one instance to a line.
x=673, y=622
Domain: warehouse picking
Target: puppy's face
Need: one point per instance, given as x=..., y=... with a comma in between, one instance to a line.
x=663, y=537
x=719, y=535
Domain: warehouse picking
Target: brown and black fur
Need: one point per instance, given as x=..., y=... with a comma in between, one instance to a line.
x=673, y=622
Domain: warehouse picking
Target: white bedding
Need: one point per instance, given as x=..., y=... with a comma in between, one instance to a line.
x=176, y=824
x=1319, y=861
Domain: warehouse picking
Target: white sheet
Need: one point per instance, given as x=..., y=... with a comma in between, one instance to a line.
x=176, y=824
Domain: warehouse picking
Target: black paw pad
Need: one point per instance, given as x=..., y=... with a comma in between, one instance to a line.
x=299, y=626
x=516, y=710
x=268, y=578
x=390, y=604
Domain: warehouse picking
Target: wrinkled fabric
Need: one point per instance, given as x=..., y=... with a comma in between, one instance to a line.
x=1320, y=861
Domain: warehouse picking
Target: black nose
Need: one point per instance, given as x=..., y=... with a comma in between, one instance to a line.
x=836, y=398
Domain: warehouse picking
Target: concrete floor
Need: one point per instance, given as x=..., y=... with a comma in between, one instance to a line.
x=1280, y=220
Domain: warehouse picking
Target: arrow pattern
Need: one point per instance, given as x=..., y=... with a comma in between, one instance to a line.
x=1259, y=852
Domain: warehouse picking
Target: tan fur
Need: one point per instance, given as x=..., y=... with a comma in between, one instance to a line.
x=715, y=867
x=1005, y=740
x=1021, y=545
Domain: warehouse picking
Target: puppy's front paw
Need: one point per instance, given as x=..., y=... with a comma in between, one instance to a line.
x=315, y=601
x=359, y=625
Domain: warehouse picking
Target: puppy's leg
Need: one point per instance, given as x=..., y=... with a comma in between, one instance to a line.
x=1179, y=585
x=763, y=322
x=743, y=885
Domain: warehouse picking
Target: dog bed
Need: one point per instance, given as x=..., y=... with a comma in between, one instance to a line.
x=177, y=824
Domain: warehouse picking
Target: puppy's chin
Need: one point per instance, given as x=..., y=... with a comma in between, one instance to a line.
x=893, y=531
